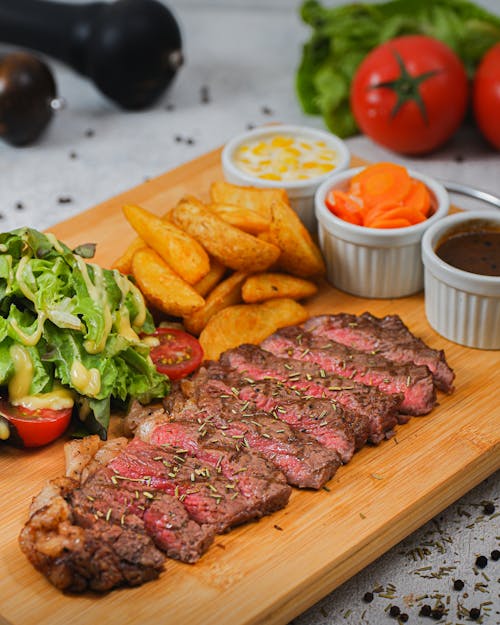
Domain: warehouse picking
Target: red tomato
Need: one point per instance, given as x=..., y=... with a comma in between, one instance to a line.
x=178, y=353
x=486, y=95
x=410, y=94
x=36, y=427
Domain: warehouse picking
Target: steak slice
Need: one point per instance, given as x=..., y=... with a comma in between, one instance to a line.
x=387, y=336
x=323, y=420
x=254, y=363
x=304, y=462
x=75, y=558
x=143, y=510
x=248, y=474
x=208, y=496
x=414, y=382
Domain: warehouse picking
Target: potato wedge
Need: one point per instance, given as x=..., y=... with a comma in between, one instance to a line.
x=248, y=323
x=300, y=256
x=255, y=199
x=265, y=286
x=240, y=217
x=227, y=293
x=213, y=277
x=181, y=252
x=124, y=262
x=162, y=287
x=229, y=245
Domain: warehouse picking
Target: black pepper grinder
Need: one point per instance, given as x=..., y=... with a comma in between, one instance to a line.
x=130, y=49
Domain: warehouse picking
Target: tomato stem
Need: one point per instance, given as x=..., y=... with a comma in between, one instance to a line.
x=406, y=87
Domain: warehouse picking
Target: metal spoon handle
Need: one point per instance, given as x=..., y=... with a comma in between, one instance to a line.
x=472, y=192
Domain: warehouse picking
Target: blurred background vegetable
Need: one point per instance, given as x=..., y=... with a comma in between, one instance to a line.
x=486, y=96
x=410, y=94
x=342, y=36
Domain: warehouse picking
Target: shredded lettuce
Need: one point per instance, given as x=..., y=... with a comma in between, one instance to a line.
x=63, y=311
x=342, y=36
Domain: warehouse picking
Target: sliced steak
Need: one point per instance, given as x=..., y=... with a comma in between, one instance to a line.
x=414, y=382
x=248, y=473
x=206, y=493
x=75, y=558
x=142, y=510
x=304, y=462
x=254, y=363
x=387, y=336
x=324, y=420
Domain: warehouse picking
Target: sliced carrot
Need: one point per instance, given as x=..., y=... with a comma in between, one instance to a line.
x=391, y=223
x=378, y=210
x=403, y=212
x=382, y=181
x=418, y=197
x=344, y=206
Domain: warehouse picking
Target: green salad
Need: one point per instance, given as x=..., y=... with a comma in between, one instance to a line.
x=69, y=331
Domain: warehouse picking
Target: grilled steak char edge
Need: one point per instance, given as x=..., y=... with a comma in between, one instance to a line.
x=387, y=336
x=226, y=447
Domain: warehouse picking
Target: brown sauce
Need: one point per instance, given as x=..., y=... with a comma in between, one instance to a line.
x=477, y=251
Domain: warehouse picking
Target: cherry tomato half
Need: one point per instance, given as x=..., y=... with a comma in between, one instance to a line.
x=486, y=97
x=410, y=94
x=178, y=353
x=36, y=427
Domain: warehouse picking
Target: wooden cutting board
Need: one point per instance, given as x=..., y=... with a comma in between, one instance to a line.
x=271, y=570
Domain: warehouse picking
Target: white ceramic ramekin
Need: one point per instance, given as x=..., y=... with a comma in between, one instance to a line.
x=300, y=192
x=463, y=307
x=374, y=262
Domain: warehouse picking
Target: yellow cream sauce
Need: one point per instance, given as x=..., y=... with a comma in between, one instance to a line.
x=285, y=157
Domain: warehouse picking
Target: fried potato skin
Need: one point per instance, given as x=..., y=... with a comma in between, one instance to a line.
x=213, y=277
x=226, y=293
x=253, y=198
x=300, y=256
x=232, y=247
x=124, y=263
x=248, y=323
x=162, y=287
x=266, y=286
x=180, y=251
x=241, y=217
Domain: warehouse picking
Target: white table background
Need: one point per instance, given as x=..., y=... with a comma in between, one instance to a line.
x=246, y=53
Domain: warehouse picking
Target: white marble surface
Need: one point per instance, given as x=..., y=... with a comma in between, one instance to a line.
x=246, y=53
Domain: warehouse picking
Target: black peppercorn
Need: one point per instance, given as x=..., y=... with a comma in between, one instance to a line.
x=481, y=562
x=437, y=614
x=495, y=555
x=368, y=597
x=474, y=613
x=425, y=610
x=458, y=584
x=489, y=507
x=19, y=206
x=394, y=611
x=403, y=617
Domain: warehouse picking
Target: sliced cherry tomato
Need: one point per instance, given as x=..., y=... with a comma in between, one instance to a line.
x=178, y=353
x=36, y=427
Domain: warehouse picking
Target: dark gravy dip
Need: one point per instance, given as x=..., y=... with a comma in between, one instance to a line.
x=476, y=251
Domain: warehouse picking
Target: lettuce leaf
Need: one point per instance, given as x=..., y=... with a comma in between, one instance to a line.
x=70, y=315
